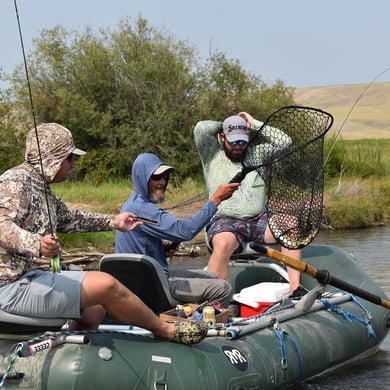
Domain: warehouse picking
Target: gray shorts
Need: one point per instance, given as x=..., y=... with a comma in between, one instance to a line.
x=198, y=286
x=44, y=294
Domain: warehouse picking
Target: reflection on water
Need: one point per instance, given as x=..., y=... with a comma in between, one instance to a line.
x=372, y=250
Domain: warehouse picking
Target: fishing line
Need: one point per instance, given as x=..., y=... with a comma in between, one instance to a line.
x=351, y=110
x=194, y=199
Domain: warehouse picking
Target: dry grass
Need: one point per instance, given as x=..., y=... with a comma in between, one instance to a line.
x=370, y=119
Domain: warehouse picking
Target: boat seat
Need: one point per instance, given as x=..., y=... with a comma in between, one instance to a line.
x=14, y=323
x=248, y=252
x=143, y=275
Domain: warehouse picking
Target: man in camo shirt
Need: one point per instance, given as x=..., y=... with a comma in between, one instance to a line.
x=30, y=216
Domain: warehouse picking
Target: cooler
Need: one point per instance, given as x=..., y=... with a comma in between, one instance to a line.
x=256, y=299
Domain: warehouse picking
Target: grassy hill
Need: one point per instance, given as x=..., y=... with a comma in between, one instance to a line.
x=370, y=118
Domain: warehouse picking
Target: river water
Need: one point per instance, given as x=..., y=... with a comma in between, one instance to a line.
x=372, y=250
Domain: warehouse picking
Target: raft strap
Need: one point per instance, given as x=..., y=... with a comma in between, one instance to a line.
x=282, y=336
x=349, y=316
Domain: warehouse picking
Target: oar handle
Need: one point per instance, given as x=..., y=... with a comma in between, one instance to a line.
x=289, y=261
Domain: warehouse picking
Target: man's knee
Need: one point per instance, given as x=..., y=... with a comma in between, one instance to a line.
x=225, y=241
x=101, y=282
x=227, y=293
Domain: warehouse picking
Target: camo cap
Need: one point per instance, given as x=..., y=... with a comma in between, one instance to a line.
x=54, y=140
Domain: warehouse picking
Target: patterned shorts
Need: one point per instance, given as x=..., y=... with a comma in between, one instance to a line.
x=245, y=230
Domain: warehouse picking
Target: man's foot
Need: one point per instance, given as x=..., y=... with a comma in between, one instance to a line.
x=299, y=292
x=189, y=332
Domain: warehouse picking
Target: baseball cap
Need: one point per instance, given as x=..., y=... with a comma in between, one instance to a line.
x=235, y=129
x=162, y=169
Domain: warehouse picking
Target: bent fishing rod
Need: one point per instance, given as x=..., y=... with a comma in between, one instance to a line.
x=362, y=93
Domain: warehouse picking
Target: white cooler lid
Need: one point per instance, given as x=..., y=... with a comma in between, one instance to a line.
x=263, y=292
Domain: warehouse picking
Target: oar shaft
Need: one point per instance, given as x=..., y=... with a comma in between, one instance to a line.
x=323, y=276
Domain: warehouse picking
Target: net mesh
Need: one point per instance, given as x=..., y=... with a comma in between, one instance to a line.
x=292, y=169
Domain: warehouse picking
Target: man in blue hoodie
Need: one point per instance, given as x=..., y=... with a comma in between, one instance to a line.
x=150, y=178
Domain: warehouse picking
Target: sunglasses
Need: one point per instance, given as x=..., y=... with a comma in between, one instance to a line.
x=71, y=157
x=160, y=176
x=235, y=143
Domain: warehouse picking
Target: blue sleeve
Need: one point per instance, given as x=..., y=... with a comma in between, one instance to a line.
x=176, y=229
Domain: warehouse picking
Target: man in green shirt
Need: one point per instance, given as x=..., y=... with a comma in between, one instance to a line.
x=242, y=218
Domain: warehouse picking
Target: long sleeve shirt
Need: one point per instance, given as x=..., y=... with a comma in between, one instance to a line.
x=25, y=218
x=249, y=200
x=147, y=239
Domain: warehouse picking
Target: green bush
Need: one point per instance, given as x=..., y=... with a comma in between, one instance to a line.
x=358, y=158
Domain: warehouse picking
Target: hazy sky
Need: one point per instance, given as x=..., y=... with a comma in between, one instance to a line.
x=303, y=42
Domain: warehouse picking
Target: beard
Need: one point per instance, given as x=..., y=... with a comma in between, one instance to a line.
x=235, y=154
x=156, y=199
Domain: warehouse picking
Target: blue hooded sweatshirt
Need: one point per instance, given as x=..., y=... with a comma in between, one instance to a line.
x=147, y=239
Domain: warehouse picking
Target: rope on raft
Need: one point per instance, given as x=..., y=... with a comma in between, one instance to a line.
x=283, y=336
x=350, y=316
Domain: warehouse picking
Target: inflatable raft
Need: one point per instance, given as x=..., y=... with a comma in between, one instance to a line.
x=275, y=345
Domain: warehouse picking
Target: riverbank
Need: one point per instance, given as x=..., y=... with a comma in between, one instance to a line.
x=348, y=203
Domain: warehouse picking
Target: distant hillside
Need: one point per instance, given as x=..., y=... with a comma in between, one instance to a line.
x=369, y=119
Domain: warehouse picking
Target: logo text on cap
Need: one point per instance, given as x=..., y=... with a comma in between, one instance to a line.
x=237, y=127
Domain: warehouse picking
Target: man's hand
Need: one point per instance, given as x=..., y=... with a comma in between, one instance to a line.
x=50, y=246
x=170, y=249
x=126, y=222
x=223, y=192
x=248, y=118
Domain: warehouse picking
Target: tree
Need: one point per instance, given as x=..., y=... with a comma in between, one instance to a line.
x=228, y=89
x=12, y=138
x=134, y=90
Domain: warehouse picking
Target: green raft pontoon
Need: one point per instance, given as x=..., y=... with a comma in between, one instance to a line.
x=292, y=340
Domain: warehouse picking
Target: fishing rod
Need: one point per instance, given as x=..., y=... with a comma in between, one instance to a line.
x=194, y=199
x=56, y=259
x=351, y=110
x=361, y=95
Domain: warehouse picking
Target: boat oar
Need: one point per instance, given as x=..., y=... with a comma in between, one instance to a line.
x=322, y=276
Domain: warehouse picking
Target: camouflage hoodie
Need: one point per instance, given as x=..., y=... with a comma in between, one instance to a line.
x=24, y=215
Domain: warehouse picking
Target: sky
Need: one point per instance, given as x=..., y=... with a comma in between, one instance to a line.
x=305, y=43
